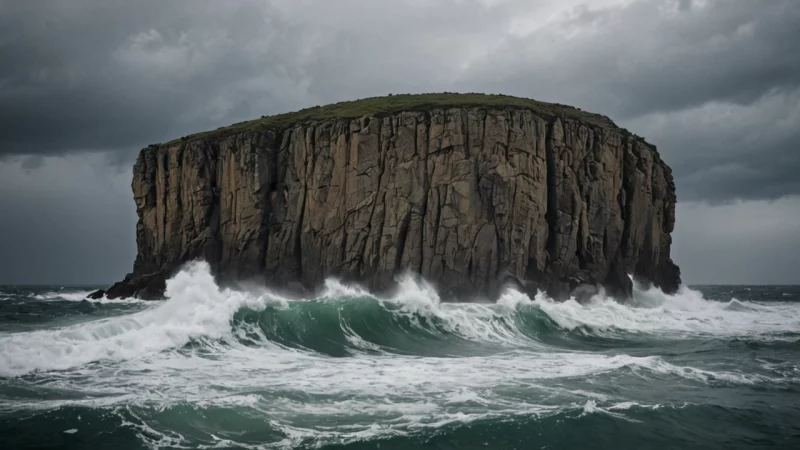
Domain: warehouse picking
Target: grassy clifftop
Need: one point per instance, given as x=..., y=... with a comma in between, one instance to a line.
x=381, y=106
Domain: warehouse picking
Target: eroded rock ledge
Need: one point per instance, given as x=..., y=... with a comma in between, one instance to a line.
x=470, y=197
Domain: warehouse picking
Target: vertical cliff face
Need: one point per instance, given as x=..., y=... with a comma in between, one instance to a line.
x=470, y=198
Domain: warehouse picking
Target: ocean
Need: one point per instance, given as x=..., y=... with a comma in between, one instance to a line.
x=709, y=367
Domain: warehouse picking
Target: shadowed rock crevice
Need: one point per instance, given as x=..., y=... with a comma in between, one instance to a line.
x=469, y=197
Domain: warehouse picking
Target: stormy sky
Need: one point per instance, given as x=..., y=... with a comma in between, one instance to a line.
x=85, y=84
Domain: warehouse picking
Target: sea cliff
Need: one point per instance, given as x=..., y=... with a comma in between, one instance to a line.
x=471, y=192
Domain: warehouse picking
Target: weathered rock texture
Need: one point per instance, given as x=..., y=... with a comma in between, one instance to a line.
x=470, y=198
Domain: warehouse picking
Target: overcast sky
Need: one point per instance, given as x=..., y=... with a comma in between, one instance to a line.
x=84, y=84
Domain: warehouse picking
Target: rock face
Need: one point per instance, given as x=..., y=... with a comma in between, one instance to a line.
x=469, y=197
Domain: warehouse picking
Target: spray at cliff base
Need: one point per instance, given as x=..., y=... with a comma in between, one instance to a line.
x=219, y=368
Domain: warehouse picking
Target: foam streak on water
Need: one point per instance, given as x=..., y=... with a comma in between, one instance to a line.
x=252, y=369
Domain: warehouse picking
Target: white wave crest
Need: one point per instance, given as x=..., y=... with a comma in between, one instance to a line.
x=130, y=362
x=195, y=308
x=415, y=298
x=686, y=313
x=82, y=296
x=74, y=296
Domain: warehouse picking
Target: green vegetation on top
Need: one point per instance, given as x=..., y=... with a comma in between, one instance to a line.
x=382, y=106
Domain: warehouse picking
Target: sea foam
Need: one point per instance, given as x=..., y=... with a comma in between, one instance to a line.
x=686, y=313
x=198, y=309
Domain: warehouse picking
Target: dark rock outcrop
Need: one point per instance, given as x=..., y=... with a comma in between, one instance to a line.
x=470, y=197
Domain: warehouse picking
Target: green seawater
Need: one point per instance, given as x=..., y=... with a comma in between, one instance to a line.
x=709, y=367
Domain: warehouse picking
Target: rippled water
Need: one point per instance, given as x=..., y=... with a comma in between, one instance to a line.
x=713, y=367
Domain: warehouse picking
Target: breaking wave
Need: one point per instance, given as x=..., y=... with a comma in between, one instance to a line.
x=70, y=296
x=346, y=320
x=248, y=368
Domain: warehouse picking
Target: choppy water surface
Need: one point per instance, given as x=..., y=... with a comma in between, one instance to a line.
x=711, y=367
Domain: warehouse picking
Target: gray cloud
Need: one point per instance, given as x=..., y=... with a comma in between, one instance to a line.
x=721, y=152
x=84, y=84
x=115, y=76
x=94, y=75
x=653, y=56
x=715, y=84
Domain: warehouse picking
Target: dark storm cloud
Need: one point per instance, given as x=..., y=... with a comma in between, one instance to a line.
x=93, y=74
x=100, y=75
x=720, y=152
x=84, y=84
x=653, y=56
x=714, y=84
